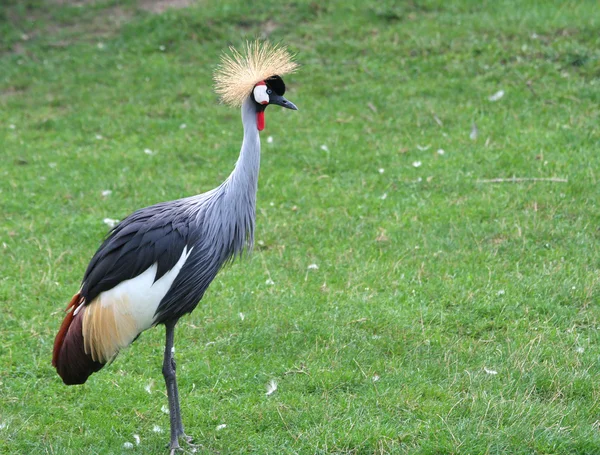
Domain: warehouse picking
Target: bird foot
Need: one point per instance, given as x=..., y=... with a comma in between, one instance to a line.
x=189, y=441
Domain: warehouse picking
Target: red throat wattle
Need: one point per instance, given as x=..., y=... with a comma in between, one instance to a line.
x=260, y=120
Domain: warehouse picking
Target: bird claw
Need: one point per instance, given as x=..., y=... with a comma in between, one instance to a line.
x=189, y=441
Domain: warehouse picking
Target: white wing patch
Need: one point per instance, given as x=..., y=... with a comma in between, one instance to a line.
x=114, y=318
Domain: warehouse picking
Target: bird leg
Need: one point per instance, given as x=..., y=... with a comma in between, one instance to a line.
x=179, y=424
x=169, y=368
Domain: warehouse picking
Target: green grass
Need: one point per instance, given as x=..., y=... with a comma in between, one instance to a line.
x=429, y=289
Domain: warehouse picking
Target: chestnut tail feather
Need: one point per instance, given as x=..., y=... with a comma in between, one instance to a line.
x=73, y=365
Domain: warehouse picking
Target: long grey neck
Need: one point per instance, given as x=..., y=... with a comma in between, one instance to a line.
x=240, y=195
x=244, y=177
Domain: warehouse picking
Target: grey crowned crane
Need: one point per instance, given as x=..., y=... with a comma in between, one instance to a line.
x=156, y=264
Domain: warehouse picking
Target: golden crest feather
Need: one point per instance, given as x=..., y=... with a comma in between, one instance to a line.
x=237, y=74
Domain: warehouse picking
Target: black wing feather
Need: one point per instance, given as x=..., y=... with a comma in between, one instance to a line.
x=146, y=237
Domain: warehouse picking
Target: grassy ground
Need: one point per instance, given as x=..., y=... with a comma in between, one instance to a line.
x=447, y=315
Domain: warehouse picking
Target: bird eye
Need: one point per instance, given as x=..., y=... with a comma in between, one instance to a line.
x=269, y=91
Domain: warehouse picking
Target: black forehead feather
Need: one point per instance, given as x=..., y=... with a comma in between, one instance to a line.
x=276, y=84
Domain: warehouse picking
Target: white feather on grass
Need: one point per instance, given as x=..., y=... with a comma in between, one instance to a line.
x=474, y=132
x=496, y=96
x=110, y=222
x=271, y=387
x=149, y=386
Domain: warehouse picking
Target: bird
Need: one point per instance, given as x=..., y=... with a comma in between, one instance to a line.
x=155, y=266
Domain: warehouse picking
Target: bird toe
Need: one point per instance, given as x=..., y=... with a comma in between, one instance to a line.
x=189, y=440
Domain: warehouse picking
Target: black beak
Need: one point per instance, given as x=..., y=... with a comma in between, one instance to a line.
x=281, y=101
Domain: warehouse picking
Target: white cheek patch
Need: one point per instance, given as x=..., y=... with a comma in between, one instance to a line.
x=260, y=94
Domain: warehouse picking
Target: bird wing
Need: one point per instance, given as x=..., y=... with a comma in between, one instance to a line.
x=153, y=235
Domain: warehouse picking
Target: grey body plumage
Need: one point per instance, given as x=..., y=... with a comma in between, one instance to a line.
x=215, y=226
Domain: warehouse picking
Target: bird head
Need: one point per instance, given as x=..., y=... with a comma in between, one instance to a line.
x=256, y=75
x=269, y=91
